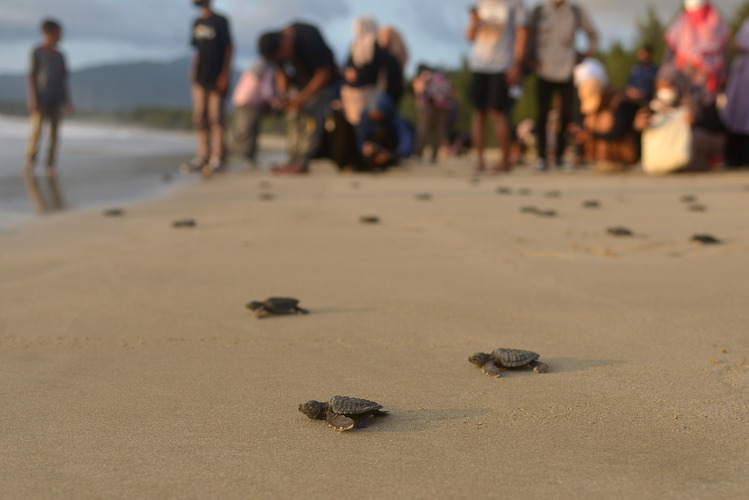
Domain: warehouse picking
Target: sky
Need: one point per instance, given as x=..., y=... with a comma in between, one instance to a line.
x=113, y=31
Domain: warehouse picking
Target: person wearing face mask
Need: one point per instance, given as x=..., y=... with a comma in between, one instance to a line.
x=552, y=56
x=209, y=78
x=674, y=98
x=696, y=44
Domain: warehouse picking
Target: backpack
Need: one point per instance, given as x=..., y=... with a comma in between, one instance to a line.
x=530, y=60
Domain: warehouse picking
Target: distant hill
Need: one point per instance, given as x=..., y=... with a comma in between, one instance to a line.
x=118, y=86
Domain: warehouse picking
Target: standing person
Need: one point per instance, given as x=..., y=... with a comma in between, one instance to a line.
x=735, y=114
x=641, y=82
x=252, y=99
x=497, y=30
x=305, y=82
x=48, y=96
x=210, y=83
x=552, y=56
x=696, y=44
x=434, y=95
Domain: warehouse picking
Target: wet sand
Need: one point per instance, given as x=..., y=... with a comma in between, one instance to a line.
x=131, y=368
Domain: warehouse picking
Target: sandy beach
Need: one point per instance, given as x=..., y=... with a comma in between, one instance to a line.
x=132, y=369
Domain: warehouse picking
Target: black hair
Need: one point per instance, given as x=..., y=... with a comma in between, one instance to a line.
x=648, y=48
x=49, y=25
x=268, y=44
x=421, y=68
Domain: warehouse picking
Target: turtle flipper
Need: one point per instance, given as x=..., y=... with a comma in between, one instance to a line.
x=491, y=369
x=362, y=421
x=260, y=312
x=299, y=310
x=340, y=422
x=539, y=367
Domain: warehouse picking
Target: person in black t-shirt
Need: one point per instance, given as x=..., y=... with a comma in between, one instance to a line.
x=305, y=79
x=210, y=83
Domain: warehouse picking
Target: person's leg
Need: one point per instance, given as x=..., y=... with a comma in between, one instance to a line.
x=478, y=136
x=253, y=120
x=422, y=124
x=501, y=125
x=543, y=98
x=316, y=110
x=479, y=93
x=54, y=115
x=200, y=121
x=32, y=147
x=440, y=131
x=216, y=112
x=567, y=93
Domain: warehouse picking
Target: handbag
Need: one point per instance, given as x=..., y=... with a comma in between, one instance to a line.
x=667, y=143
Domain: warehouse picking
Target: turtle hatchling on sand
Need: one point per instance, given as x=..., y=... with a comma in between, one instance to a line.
x=501, y=359
x=275, y=305
x=342, y=412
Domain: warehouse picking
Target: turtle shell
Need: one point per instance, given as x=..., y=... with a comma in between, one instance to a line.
x=344, y=405
x=281, y=305
x=512, y=358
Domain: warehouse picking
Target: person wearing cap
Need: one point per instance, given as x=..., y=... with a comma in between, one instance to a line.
x=306, y=75
x=608, y=126
x=209, y=78
x=552, y=29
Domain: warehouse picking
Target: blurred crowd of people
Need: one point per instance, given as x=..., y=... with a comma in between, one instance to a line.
x=689, y=113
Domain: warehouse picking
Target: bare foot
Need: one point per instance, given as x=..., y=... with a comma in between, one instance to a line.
x=51, y=171
x=290, y=169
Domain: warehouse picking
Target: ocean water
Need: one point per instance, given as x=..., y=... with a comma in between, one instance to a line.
x=98, y=165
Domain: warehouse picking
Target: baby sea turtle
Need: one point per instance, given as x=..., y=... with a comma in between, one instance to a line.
x=369, y=219
x=529, y=210
x=553, y=194
x=688, y=198
x=705, y=239
x=501, y=359
x=342, y=412
x=619, y=231
x=696, y=207
x=114, y=212
x=546, y=213
x=264, y=185
x=591, y=204
x=504, y=190
x=524, y=192
x=184, y=223
x=274, y=306
x=267, y=196
x=424, y=196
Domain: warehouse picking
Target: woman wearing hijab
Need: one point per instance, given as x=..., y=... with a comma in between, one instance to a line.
x=735, y=114
x=370, y=71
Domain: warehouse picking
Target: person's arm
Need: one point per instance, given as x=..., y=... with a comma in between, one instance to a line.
x=320, y=78
x=591, y=32
x=473, y=25
x=515, y=74
x=67, y=102
x=222, y=82
x=31, y=94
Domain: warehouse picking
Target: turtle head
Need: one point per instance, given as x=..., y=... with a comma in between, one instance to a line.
x=254, y=305
x=314, y=409
x=480, y=358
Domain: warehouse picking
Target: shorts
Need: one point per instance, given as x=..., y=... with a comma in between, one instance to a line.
x=489, y=91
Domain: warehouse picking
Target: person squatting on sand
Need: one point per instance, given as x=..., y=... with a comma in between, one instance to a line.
x=497, y=30
x=435, y=98
x=306, y=75
x=48, y=96
x=608, y=131
x=551, y=55
x=209, y=79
